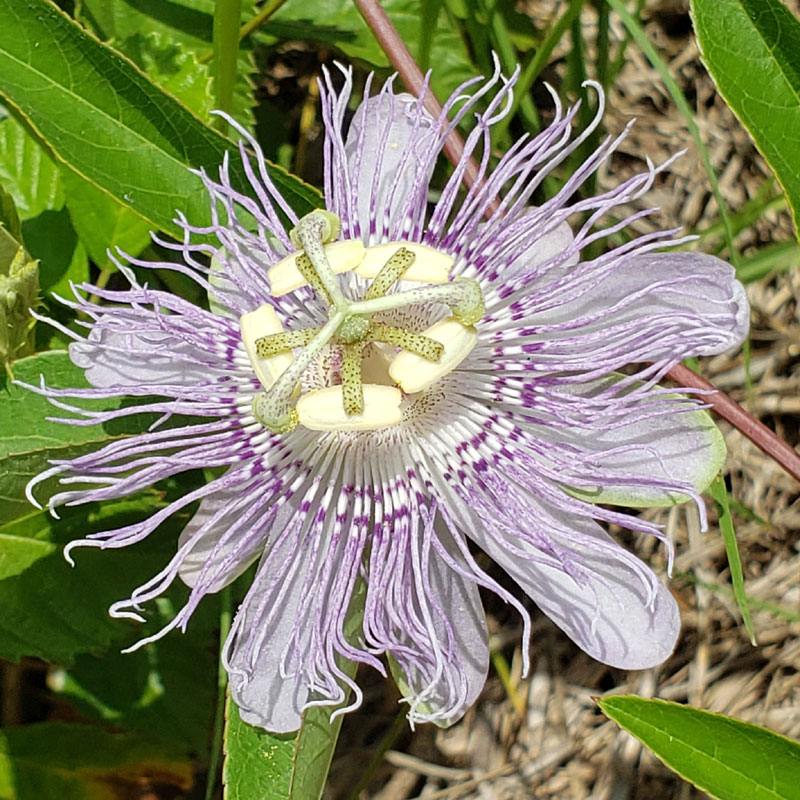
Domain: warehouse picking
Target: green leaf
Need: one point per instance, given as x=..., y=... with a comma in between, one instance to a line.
x=28, y=440
x=338, y=23
x=27, y=172
x=725, y=757
x=720, y=494
x=109, y=122
x=52, y=239
x=257, y=763
x=164, y=690
x=176, y=67
x=17, y=553
x=102, y=222
x=54, y=611
x=290, y=766
x=751, y=49
x=78, y=762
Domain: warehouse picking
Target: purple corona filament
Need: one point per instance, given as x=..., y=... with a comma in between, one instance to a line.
x=520, y=448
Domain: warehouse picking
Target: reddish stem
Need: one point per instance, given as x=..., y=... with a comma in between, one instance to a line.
x=402, y=60
x=755, y=430
x=408, y=69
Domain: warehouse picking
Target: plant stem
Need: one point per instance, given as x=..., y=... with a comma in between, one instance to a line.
x=755, y=430
x=215, y=757
x=227, y=14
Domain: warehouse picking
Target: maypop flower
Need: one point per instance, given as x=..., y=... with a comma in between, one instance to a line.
x=396, y=379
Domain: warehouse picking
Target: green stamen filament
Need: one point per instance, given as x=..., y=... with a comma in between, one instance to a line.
x=389, y=273
x=352, y=390
x=415, y=343
x=312, y=278
x=272, y=408
x=276, y=343
x=311, y=233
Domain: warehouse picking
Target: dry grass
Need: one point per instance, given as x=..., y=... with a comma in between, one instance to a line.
x=543, y=737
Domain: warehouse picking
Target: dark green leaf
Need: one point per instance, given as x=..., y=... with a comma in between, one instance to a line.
x=27, y=172
x=752, y=50
x=165, y=690
x=52, y=239
x=28, y=440
x=725, y=757
x=109, y=122
x=102, y=222
x=257, y=763
x=54, y=611
x=77, y=762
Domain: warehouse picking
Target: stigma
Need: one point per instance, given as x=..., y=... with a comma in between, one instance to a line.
x=398, y=363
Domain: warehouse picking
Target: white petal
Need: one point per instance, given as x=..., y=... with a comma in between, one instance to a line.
x=616, y=611
x=684, y=446
x=155, y=358
x=689, y=294
x=544, y=249
x=395, y=140
x=465, y=672
x=265, y=698
x=203, y=549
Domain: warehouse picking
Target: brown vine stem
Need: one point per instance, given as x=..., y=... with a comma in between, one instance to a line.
x=408, y=69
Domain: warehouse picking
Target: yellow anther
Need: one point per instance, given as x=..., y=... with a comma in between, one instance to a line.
x=430, y=266
x=414, y=373
x=255, y=325
x=323, y=409
x=285, y=277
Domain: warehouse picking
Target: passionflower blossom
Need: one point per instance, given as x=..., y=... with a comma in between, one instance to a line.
x=396, y=380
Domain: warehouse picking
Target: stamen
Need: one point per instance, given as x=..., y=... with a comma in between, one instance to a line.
x=323, y=409
x=311, y=233
x=426, y=356
x=253, y=326
x=413, y=374
x=352, y=391
x=463, y=295
x=275, y=343
x=285, y=277
x=271, y=408
x=390, y=272
x=430, y=265
x=416, y=343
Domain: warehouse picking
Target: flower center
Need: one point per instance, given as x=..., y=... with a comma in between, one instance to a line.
x=423, y=357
